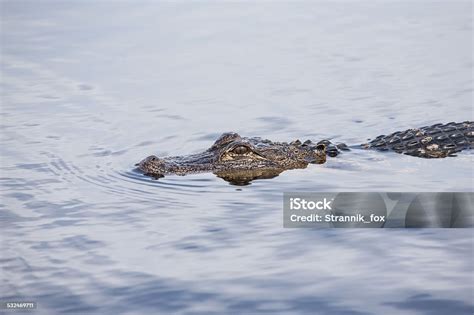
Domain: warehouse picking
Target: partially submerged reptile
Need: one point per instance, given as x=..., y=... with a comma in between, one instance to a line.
x=239, y=159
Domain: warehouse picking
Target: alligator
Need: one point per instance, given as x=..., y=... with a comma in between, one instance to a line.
x=240, y=160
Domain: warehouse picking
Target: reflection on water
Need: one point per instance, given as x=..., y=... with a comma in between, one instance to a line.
x=87, y=91
x=243, y=178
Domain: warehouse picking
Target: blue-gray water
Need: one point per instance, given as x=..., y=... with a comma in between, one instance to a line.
x=88, y=89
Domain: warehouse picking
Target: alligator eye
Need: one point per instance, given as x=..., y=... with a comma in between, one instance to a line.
x=241, y=150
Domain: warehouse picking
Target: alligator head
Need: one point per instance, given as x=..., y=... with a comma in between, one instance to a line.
x=238, y=159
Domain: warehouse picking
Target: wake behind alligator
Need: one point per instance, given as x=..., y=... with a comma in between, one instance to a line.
x=240, y=160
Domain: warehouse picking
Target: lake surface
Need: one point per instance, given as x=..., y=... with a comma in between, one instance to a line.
x=89, y=89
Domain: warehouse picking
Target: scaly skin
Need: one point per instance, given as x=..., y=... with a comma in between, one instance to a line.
x=435, y=141
x=233, y=156
x=239, y=160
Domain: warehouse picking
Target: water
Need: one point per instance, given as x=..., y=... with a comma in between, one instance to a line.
x=89, y=90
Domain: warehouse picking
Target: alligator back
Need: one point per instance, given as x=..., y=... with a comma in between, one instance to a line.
x=436, y=141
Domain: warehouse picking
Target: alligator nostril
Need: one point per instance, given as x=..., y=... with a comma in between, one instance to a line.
x=152, y=158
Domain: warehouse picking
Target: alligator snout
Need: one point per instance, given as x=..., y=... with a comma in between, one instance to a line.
x=151, y=158
x=147, y=160
x=151, y=164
